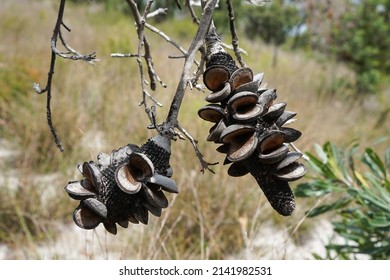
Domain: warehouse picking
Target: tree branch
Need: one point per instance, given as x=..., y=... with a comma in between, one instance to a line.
x=172, y=118
x=234, y=34
x=50, y=77
x=192, y=12
x=70, y=54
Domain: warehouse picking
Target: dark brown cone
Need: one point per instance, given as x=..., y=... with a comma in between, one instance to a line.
x=277, y=192
x=119, y=205
x=158, y=150
x=224, y=59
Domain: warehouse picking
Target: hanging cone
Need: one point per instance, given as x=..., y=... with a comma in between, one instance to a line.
x=250, y=126
x=124, y=186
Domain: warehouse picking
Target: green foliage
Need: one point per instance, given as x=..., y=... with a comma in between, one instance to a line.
x=362, y=39
x=360, y=201
x=221, y=17
x=271, y=22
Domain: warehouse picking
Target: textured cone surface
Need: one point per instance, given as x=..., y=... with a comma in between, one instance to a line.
x=222, y=58
x=119, y=204
x=158, y=150
x=105, y=199
x=254, y=139
x=277, y=192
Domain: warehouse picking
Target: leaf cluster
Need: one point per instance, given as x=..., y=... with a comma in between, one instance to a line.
x=359, y=201
x=273, y=22
x=362, y=39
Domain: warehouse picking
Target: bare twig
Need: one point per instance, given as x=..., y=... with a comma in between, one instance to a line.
x=200, y=70
x=142, y=42
x=166, y=38
x=159, y=11
x=178, y=4
x=70, y=54
x=50, y=77
x=192, y=12
x=189, y=61
x=123, y=55
x=182, y=50
x=197, y=42
x=230, y=47
x=204, y=164
x=234, y=34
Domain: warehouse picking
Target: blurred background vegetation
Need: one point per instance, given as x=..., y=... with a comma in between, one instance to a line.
x=330, y=62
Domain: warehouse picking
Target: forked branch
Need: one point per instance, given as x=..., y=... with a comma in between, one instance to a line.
x=69, y=54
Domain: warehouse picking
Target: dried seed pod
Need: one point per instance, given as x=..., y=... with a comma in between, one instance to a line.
x=242, y=141
x=288, y=159
x=155, y=210
x=212, y=113
x=110, y=227
x=251, y=86
x=240, y=77
x=215, y=77
x=92, y=173
x=244, y=107
x=250, y=126
x=271, y=140
x=291, y=172
x=266, y=98
x=163, y=182
x=237, y=169
x=291, y=134
x=141, y=214
x=220, y=95
x=274, y=112
x=286, y=116
x=215, y=131
x=110, y=191
x=155, y=196
x=130, y=175
x=78, y=190
x=215, y=53
x=124, y=223
x=275, y=155
x=96, y=206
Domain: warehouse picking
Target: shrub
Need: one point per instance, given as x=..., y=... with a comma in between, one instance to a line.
x=360, y=201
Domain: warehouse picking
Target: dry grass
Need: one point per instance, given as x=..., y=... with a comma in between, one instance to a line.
x=96, y=109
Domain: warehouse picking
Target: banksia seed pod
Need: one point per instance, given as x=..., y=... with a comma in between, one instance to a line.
x=124, y=186
x=219, y=64
x=250, y=127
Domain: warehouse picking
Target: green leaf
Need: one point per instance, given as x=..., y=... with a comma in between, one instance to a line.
x=317, y=188
x=380, y=222
x=315, y=164
x=369, y=198
x=328, y=207
x=321, y=153
x=373, y=161
x=387, y=158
